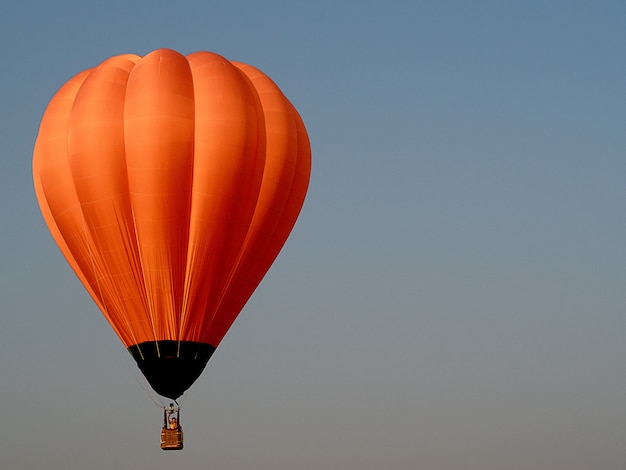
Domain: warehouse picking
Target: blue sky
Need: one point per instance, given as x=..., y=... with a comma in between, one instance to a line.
x=453, y=294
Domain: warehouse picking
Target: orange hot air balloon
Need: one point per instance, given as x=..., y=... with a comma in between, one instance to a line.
x=170, y=184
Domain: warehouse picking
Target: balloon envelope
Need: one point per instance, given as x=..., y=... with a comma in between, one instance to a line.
x=170, y=183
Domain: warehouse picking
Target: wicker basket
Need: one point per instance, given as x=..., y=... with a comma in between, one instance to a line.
x=171, y=439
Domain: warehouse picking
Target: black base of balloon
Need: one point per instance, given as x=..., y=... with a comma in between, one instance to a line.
x=171, y=366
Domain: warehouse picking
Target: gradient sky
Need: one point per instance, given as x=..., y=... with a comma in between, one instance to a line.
x=453, y=296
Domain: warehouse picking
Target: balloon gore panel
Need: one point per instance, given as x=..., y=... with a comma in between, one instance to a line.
x=171, y=367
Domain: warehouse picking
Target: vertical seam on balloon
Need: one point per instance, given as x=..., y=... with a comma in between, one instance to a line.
x=143, y=274
x=140, y=288
x=92, y=261
x=189, y=209
x=122, y=223
x=187, y=276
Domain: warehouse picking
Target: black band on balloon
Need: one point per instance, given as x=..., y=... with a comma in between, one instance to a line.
x=171, y=367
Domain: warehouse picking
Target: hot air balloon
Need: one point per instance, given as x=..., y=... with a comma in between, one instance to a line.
x=170, y=184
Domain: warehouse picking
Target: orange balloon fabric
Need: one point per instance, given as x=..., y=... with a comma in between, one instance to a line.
x=170, y=184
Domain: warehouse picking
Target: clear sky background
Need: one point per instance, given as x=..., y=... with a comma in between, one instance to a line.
x=453, y=296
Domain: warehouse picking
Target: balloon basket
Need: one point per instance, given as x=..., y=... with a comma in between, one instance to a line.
x=171, y=439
